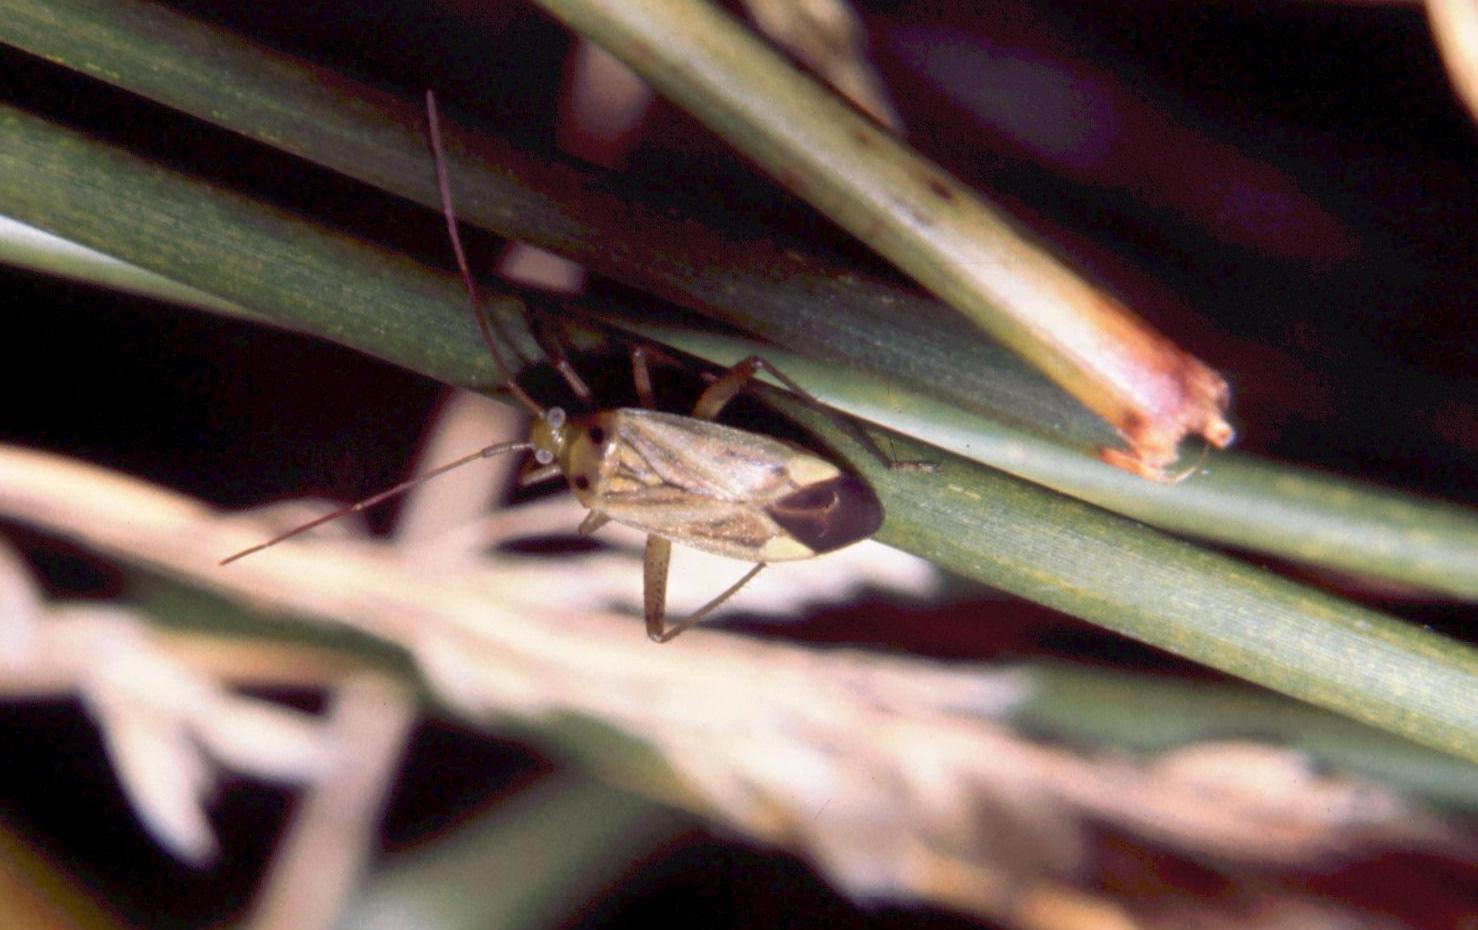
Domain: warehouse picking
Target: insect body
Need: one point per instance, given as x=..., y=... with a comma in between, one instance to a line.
x=712, y=487
x=677, y=478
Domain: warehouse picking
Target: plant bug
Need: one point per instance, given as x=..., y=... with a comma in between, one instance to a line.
x=677, y=478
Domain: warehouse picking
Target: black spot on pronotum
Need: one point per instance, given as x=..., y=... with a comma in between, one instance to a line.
x=581, y=482
x=829, y=514
x=597, y=436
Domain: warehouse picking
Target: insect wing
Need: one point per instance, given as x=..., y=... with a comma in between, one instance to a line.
x=727, y=491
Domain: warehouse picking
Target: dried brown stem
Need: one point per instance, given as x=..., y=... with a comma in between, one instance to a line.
x=890, y=774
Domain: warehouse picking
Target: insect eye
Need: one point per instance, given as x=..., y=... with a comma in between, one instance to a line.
x=597, y=436
x=543, y=456
x=582, y=482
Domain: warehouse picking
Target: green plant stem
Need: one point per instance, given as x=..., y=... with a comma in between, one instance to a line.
x=967, y=518
x=1320, y=520
x=764, y=284
x=948, y=387
x=26, y=247
x=1148, y=713
x=1316, y=519
x=914, y=213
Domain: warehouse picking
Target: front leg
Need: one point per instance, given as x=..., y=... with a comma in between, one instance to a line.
x=593, y=521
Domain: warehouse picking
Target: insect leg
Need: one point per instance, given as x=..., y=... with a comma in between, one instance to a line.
x=553, y=346
x=654, y=586
x=593, y=521
x=536, y=475
x=641, y=373
x=659, y=552
x=719, y=393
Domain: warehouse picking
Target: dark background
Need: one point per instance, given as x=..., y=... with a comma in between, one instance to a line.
x=1286, y=189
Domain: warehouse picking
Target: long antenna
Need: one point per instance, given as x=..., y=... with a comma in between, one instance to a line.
x=447, y=210
x=372, y=500
x=487, y=337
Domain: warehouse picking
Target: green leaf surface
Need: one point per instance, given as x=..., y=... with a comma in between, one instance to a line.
x=968, y=518
x=1149, y=713
x=949, y=387
x=971, y=519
